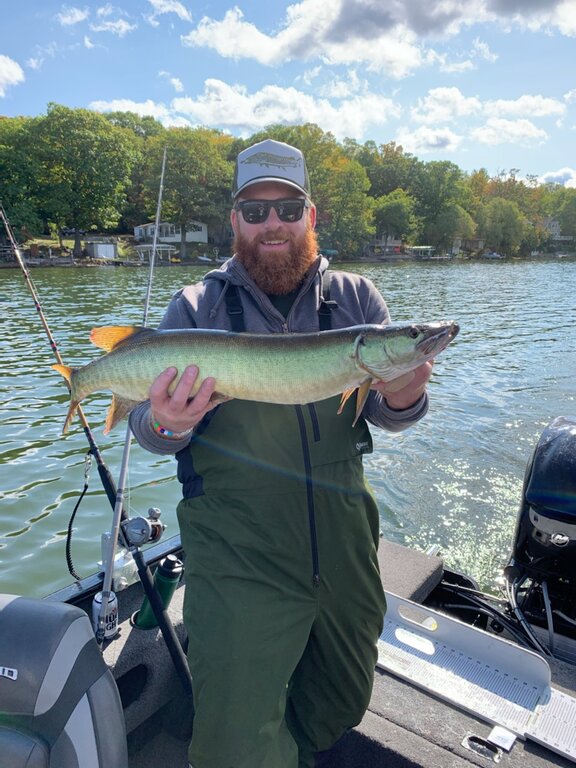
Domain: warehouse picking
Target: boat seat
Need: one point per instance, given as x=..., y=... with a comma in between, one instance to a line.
x=407, y=572
x=59, y=704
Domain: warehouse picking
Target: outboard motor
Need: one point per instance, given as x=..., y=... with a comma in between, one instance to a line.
x=543, y=563
x=59, y=704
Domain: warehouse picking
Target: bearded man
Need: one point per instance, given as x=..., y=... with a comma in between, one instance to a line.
x=284, y=603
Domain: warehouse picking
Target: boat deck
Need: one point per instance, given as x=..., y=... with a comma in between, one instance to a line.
x=404, y=727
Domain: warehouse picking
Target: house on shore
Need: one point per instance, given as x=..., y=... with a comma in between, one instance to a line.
x=552, y=226
x=196, y=232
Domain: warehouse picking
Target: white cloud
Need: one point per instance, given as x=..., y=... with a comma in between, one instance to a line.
x=391, y=38
x=445, y=104
x=118, y=27
x=533, y=106
x=11, y=73
x=425, y=140
x=175, y=82
x=500, y=131
x=570, y=96
x=310, y=32
x=168, y=6
x=70, y=16
x=310, y=75
x=564, y=18
x=43, y=53
x=235, y=109
x=88, y=43
x=249, y=42
x=455, y=66
x=482, y=51
x=343, y=88
x=148, y=108
x=565, y=176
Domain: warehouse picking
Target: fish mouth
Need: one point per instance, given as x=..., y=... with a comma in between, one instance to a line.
x=438, y=340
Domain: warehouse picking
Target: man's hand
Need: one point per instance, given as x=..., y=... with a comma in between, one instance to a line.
x=180, y=412
x=404, y=391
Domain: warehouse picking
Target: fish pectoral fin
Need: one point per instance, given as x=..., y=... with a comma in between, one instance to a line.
x=108, y=337
x=346, y=395
x=119, y=409
x=363, y=392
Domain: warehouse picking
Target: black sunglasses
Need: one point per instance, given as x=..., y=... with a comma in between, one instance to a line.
x=256, y=211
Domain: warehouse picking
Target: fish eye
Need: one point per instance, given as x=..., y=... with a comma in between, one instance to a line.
x=413, y=332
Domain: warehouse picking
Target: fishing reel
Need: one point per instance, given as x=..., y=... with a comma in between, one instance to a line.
x=138, y=531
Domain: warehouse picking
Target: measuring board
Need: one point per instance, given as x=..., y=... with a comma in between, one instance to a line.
x=481, y=673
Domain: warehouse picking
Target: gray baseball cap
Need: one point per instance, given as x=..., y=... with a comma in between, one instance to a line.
x=271, y=160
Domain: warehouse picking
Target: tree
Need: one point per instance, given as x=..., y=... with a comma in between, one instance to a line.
x=17, y=176
x=440, y=183
x=197, y=173
x=452, y=222
x=347, y=213
x=140, y=129
x=84, y=165
x=567, y=214
x=143, y=126
x=388, y=167
x=394, y=215
x=502, y=225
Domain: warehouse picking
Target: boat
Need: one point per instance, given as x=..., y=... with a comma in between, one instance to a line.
x=464, y=678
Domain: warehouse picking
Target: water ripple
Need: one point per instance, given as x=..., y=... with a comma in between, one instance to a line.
x=454, y=479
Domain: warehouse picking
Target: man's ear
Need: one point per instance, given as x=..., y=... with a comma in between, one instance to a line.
x=234, y=219
x=312, y=216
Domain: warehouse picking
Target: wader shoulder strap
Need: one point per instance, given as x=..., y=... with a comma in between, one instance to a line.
x=234, y=308
x=326, y=305
x=236, y=313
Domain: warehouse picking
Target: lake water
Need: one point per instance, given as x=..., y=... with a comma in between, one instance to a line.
x=454, y=479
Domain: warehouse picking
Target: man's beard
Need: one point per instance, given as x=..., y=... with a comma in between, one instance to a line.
x=282, y=273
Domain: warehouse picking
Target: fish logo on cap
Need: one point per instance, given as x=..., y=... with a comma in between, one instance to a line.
x=271, y=160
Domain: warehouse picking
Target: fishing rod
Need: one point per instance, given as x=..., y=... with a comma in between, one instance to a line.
x=118, y=515
x=103, y=471
x=172, y=642
x=159, y=609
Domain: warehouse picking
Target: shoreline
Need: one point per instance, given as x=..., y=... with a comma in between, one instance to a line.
x=68, y=263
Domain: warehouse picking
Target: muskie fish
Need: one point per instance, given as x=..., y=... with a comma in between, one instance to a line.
x=293, y=368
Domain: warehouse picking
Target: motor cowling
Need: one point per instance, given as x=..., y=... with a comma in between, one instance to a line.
x=545, y=539
x=59, y=704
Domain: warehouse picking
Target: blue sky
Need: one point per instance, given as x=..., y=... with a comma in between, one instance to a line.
x=482, y=83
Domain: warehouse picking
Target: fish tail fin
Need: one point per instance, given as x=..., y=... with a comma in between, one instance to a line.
x=119, y=409
x=68, y=374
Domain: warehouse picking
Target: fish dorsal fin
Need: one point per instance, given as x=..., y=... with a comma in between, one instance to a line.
x=109, y=336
